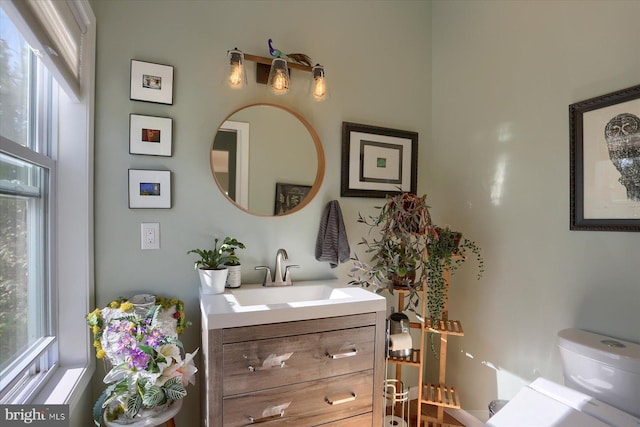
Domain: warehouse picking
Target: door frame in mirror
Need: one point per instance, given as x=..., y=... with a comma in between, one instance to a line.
x=241, y=130
x=228, y=124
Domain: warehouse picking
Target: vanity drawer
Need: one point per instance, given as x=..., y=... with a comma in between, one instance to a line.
x=306, y=404
x=257, y=365
x=363, y=420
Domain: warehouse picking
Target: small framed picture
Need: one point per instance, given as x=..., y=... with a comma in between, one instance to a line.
x=289, y=196
x=151, y=82
x=377, y=161
x=150, y=135
x=149, y=189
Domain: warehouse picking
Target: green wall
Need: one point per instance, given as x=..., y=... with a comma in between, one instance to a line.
x=486, y=84
x=377, y=59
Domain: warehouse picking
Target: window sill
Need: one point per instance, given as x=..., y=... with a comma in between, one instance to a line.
x=66, y=386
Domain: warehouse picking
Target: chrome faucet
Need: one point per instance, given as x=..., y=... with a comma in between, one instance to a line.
x=280, y=255
x=279, y=279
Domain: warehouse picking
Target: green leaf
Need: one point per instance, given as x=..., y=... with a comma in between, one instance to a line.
x=97, y=408
x=171, y=381
x=153, y=396
x=153, y=314
x=174, y=389
x=134, y=403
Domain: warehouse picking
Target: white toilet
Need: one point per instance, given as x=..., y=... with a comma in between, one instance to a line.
x=601, y=387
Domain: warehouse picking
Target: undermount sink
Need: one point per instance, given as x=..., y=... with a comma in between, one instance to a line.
x=255, y=304
x=286, y=294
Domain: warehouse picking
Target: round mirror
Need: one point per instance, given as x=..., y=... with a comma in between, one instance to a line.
x=267, y=159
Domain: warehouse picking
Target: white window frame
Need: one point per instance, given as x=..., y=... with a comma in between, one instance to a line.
x=72, y=259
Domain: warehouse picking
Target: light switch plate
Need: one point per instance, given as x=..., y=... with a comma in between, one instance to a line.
x=150, y=235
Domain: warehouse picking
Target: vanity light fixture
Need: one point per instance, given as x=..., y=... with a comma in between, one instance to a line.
x=237, y=72
x=276, y=72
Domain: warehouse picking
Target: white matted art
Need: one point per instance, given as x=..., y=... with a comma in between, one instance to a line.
x=149, y=189
x=377, y=161
x=150, y=135
x=151, y=82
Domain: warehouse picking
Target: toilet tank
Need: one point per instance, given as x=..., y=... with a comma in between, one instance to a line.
x=603, y=367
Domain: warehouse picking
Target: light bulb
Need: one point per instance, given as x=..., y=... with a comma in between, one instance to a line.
x=279, y=82
x=237, y=73
x=318, y=83
x=279, y=77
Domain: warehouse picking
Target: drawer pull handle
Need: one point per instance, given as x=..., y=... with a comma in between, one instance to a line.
x=265, y=419
x=334, y=402
x=349, y=353
x=264, y=368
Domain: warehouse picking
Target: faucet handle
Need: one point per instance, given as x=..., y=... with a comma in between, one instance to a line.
x=287, y=273
x=267, y=276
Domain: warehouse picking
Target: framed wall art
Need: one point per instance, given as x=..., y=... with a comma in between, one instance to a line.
x=288, y=196
x=377, y=161
x=605, y=162
x=151, y=82
x=149, y=189
x=150, y=135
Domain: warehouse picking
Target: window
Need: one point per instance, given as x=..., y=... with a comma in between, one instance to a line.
x=27, y=332
x=46, y=183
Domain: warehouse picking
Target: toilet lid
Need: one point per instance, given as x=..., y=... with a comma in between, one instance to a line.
x=544, y=403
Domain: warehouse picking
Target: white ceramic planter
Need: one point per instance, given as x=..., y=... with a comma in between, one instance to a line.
x=213, y=281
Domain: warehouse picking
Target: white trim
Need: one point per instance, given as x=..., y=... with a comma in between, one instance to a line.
x=74, y=227
x=19, y=367
x=72, y=259
x=24, y=153
x=242, y=160
x=63, y=387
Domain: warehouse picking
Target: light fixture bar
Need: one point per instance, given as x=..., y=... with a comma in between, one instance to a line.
x=268, y=61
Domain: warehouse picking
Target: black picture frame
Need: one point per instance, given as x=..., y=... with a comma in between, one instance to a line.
x=151, y=82
x=150, y=135
x=605, y=161
x=149, y=189
x=288, y=197
x=377, y=161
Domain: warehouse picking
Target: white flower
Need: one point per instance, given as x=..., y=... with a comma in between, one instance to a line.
x=189, y=369
x=186, y=369
x=170, y=352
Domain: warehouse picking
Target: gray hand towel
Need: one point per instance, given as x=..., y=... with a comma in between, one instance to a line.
x=332, y=244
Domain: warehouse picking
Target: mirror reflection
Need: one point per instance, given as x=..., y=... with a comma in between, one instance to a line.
x=267, y=159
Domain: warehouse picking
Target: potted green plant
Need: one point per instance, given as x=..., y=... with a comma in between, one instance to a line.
x=447, y=251
x=212, y=264
x=410, y=252
x=398, y=254
x=234, y=277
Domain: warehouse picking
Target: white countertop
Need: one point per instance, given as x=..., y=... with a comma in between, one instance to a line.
x=224, y=310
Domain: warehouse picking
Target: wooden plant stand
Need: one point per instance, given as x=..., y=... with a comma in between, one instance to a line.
x=432, y=398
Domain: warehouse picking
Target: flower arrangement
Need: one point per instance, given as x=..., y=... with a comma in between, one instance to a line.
x=150, y=368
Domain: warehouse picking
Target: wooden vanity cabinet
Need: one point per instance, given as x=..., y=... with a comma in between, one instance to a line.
x=327, y=372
